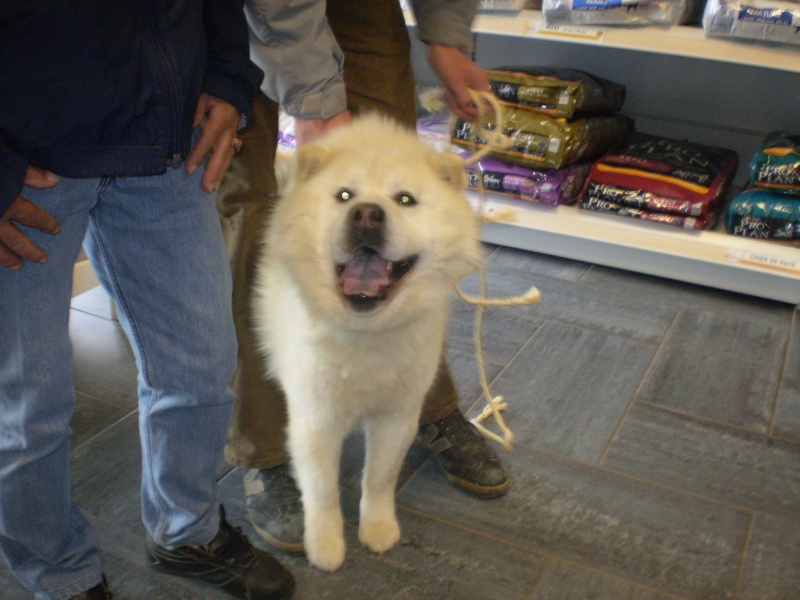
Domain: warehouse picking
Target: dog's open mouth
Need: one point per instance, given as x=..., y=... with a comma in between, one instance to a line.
x=367, y=278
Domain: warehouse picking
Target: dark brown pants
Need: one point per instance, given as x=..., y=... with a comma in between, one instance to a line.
x=378, y=77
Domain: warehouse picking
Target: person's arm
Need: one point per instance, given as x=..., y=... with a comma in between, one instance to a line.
x=303, y=64
x=292, y=42
x=230, y=83
x=446, y=27
x=446, y=22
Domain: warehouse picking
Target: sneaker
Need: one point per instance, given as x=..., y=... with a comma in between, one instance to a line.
x=98, y=592
x=465, y=457
x=275, y=508
x=229, y=562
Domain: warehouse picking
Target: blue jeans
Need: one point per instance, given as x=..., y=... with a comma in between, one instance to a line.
x=156, y=245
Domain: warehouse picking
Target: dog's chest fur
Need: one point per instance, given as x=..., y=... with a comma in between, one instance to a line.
x=352, y=372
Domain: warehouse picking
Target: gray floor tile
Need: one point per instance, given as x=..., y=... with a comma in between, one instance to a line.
x=734, y=466
x=622, y=527
x=562, y=581
x=535, y=264
x=466, y=375
x=93, y=417
x=504, y=330
x=105, y=368
x=12, y=589
x=432, y=561
x=107, y=475
x=719, y=366
x=668, y=514
x=787, y=418
x=129, y=576
x=612, y=311
x=659, y=289
x=771, y=570
x=569, y=387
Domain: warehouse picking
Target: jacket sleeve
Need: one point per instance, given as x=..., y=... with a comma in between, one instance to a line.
x=12, y=175
x=446, y=22
x=230, y=74
x=303, y=64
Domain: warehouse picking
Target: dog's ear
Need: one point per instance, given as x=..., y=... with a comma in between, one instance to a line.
x=310, y=159
x=451, y=168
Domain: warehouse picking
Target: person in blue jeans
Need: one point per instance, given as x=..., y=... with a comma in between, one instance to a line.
x=117, y=124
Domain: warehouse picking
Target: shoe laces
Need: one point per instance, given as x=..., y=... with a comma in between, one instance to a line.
x=231, y=546
x=457, y=429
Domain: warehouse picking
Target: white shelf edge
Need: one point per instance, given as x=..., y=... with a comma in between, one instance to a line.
x=688, y=42
x=718, y=260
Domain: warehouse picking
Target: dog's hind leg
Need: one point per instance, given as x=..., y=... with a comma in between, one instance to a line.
x=316, y=454
x=388, y=438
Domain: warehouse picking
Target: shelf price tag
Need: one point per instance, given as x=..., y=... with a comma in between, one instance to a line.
x=589, y=34
x=764, y=261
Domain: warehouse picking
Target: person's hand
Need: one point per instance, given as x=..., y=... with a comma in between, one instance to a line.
x=306, y=130
x=458, y=73
x=220, y=121
x=15, y=245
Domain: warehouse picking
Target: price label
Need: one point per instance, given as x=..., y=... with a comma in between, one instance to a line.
x=566, y=31
x=764, y=261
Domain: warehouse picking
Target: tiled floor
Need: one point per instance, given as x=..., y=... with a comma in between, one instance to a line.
x=657, y=455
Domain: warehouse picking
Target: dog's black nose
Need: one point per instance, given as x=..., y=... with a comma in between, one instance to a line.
x=366, y=222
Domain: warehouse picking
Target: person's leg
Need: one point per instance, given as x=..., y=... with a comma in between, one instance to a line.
x=44, y=538
x=257, y=435
x=378, y=73
x=157, y=245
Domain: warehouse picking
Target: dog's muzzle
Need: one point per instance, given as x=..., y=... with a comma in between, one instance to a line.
x=367, y=278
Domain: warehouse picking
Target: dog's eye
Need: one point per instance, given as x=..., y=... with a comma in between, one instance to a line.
x=344, y=195
x=405, y=199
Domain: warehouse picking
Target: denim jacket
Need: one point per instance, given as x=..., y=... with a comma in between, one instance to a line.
x=93, y=88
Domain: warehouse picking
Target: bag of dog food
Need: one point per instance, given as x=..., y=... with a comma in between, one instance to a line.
x=613, y=12
x=546, y=186
x=556, y=92
x=777, y=165
x=763, y=214
x=539, y=141
x=589, y=202
x=659, y=174
x=762, y=20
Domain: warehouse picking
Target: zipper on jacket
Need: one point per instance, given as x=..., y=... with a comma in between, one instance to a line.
x=169, y=70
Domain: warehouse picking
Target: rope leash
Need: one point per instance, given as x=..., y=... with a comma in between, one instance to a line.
x=495, y=139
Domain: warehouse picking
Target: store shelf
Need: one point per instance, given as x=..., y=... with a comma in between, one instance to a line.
x=688, y=42
x=709, y=258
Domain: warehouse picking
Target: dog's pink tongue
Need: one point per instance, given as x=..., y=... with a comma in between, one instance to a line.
x=365, y=274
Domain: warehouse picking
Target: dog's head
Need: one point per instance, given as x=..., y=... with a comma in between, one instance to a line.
x=371, y=219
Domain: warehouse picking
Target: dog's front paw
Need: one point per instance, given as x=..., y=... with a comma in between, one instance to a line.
x=325, y=553
x=379, y=536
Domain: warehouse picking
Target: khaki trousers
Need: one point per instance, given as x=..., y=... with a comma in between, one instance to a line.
x=378, y=77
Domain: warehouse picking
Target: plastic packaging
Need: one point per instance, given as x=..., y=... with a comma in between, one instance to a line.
x=762, y=20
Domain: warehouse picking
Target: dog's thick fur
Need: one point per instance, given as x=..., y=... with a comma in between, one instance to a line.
x=350, y=349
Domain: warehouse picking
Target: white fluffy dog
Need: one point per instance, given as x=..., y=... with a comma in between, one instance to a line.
x=360, y=261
